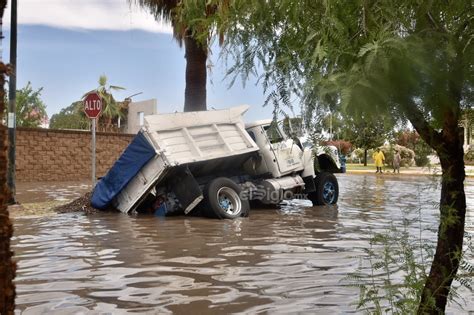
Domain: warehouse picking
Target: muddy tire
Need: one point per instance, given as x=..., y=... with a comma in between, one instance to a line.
x=222, y=200
x=327, y=190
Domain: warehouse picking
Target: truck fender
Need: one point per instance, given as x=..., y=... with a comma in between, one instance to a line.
x=308, y=163
x=325, y=163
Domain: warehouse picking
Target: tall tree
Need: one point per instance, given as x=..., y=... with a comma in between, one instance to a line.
x=404, y=59
x=30, y=108
x=196, y=38
x=7, y=266
x=195, y=52
x=365, y=134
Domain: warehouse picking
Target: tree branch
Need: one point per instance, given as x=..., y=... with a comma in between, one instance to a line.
x=432, y=137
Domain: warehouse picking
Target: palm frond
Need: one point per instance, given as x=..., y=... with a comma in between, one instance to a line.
x=115, y=87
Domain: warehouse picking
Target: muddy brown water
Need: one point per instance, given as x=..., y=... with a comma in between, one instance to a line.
x=289, y=260
x=35, y=192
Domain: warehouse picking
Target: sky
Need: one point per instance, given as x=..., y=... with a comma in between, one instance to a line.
x=66, y=47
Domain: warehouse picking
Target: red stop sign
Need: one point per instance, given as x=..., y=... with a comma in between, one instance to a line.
x=92, y=105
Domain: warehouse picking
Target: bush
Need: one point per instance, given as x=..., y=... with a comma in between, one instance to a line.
x=357, y=156
x=393, y=269
x=412, y=140
x=469, y=155
x=422, y=160
x=407, y=155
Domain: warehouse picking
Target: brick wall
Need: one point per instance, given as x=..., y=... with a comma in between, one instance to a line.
x=62, y=155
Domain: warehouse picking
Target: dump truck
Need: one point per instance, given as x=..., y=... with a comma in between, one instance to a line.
x=212, y=161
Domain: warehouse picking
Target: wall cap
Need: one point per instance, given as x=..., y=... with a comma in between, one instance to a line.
x=75, y=131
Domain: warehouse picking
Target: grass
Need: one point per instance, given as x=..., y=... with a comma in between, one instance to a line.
x=406, y=170
x=361, y=167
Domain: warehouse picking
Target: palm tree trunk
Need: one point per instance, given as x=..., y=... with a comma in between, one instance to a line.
x=7, y=266
x=196, y=75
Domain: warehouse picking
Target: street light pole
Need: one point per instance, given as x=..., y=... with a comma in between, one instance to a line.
x=12, y=104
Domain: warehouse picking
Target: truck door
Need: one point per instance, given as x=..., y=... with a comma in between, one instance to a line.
x=287, y=154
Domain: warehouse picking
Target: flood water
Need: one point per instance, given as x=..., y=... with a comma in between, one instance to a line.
x=287, y=260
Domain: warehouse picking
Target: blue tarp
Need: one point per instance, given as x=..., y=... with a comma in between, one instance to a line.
x=135, y=156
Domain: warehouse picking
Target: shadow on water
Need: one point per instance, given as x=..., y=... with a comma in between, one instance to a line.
x=286, y=260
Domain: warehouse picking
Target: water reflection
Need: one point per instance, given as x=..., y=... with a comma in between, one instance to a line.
x=286, y=260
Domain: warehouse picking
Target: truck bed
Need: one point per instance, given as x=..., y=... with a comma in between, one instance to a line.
x=206, y=142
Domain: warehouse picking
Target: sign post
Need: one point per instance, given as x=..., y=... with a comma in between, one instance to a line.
x=92, y=109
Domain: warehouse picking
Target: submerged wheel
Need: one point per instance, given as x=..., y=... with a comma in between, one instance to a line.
x=327, y=190
x=222, y=200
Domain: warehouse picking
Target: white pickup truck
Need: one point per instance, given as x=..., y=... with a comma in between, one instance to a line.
x=212, y=159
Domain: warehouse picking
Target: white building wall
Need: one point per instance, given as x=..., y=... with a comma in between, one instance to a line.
x=137, y=111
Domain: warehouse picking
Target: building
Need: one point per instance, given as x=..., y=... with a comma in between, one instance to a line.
x=136, y=113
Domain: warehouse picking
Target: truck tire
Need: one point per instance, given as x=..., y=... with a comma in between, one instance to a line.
x=327, y=190
x=222, y=200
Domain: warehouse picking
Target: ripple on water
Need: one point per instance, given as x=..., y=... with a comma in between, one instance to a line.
x=279, y=261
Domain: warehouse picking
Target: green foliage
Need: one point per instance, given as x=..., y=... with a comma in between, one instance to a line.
x=193, y=24
x=30, y=108
x=403, y=60
x=393, y=270
x=71, y=117
x=468, y=118
x=388, y=252
x=186, y=16
x=112, y=110
x=399, y=59
x=357, y=156
x=344, y=147
x=407, y=155
x=292, y=127
x=333, y=123
x=469, y=156
x=366, y=133
x=466, y=275
x=413, y=141
x=421, y=158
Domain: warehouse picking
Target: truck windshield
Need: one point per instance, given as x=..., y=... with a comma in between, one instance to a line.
x=274, y=133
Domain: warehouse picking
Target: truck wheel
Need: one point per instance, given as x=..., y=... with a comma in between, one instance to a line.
x=222, y=200
x=327, y=190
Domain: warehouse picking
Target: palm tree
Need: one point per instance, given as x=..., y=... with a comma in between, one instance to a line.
x=196, y=51
x=7, y=266
x=111, y=109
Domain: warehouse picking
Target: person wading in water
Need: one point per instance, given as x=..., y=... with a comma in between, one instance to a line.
x=396, y=161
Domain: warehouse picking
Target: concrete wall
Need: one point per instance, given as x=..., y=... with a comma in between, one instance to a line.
x=63, y=155
x=148, y=107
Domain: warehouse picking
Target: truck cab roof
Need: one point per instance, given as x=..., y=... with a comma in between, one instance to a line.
x=258, y=123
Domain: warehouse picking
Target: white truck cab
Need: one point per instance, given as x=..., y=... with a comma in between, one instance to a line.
x=291, y=165
x=279, y=154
